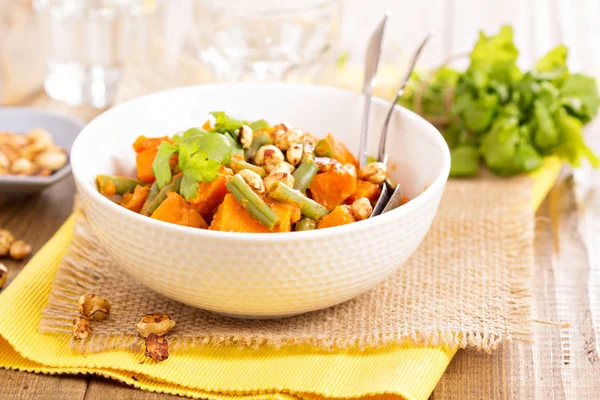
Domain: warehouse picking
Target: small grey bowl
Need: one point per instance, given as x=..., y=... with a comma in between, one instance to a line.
x=63, y=129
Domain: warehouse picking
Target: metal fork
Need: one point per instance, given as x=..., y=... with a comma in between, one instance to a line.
x=387, y=202
x=371, y=63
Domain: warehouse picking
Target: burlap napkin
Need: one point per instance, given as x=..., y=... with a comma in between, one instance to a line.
x=466, y=285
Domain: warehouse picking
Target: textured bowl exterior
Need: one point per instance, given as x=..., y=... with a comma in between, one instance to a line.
x=257, y=277
x=261, y=275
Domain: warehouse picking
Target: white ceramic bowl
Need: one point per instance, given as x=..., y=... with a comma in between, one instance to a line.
x=261, y=275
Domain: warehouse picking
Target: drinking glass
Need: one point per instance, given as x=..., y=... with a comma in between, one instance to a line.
x=269, y=39
x=86, y=44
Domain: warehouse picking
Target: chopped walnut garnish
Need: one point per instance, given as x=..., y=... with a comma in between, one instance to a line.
x=32, y=154
x=285, y=138
x=283, y=177
x=19, y=250
x=52, y=160
x=325, y=164
x=158, y=323
x=361, y=209
x=294, y=153
x=22, y=166
x=283, y=167
x=6, y=239
x=81, y=327
x=157, y=347
x=253, y=180
x=94, y=307
x=246, y=136
x=374, y=172
x=269, y=156
x=3, y=275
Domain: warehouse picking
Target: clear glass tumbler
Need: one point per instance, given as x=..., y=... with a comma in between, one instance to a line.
x=269, y=39
x=86, y=44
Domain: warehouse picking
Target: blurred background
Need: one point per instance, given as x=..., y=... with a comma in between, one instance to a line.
x=96, y=52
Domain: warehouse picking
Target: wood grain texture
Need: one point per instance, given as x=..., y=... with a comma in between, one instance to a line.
x=103, y=389
x=563, y=363
x=20, y=385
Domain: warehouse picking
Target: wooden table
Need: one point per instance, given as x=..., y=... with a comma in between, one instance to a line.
x=564, y=362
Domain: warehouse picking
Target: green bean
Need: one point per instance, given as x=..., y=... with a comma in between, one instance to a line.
x=306, y=224
x=304, y=174
x=308, y=207
x=122, y=184
x=237, y=164
x=151, y=196
x=162, y=194
x=323, y=148
x=251, y=202
x=261, y=139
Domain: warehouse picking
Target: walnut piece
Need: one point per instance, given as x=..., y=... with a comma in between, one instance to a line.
x=19, y=250
x=52, y=160
x=6, y=239
x=94, y=307
x=283, y=177
x=3, y=275
x=374, y=172
x=361, y=209
x=157, y=347
x=158, y=323
x=253, y=180
x=22, y=166
x=81, y=327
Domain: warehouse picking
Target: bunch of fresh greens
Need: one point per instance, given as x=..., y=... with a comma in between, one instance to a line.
x=200, y=152
x=508, y=118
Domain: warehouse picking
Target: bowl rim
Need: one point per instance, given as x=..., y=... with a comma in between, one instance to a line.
x=365, y=225
x=56, y=176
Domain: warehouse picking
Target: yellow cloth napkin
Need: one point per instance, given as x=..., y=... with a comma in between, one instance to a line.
x=394, y=372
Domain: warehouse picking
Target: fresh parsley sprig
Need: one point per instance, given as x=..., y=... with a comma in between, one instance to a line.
x=507, y=118
x=200, y=155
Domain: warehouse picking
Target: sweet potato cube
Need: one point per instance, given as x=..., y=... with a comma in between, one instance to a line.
x=143, y=143
x=339, y=216
x=340, y=151
x=232, y=217
x=365, y=189
x=178, y=211
x=211, y=194
x=144, y=160
x=330, y=189
x=135, y=200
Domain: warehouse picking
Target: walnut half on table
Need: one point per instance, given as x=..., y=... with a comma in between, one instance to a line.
x=31, y=154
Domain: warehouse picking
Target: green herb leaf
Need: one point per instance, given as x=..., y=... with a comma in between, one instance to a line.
x=465, y=161
x=236, y=147
x=224, y=123
x=584, y=89
x=496, y=55
x=508, y=118
x=189, y=186
x=572, y=146
x=552, y=66
x=160, y=166
x=193, y=132
x=546, y=134
x=217, y=147
x=259, y=125
x=198, y=168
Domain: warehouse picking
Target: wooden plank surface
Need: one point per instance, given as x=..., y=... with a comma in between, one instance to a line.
x=563, y=363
